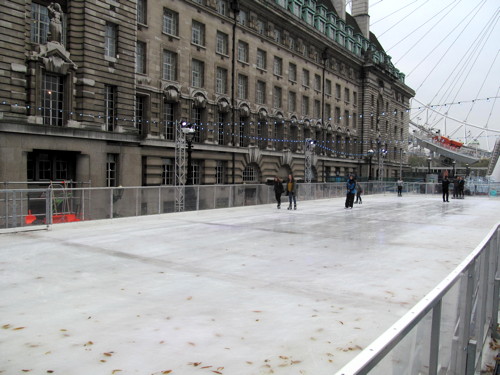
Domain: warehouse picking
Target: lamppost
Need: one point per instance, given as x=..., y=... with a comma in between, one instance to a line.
x=429, y=159
x=189, y=133
x=382, y=154
x=370, y=153
x=453, y=163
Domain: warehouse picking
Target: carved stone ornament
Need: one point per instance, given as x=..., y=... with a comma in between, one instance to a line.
x=223, y=106
x=262, y=114
x=171, y=95
x=55, y=58
x=199, y=101
x=244, y=111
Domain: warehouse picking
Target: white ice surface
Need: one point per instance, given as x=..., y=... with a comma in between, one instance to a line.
x=241, y=291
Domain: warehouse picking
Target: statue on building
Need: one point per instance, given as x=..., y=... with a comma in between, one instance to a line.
x=55, y=27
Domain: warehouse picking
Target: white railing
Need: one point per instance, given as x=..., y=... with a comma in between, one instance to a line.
x=446, y=332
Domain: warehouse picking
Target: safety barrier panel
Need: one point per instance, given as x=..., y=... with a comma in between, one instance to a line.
x=29, y=208
x=445, y=333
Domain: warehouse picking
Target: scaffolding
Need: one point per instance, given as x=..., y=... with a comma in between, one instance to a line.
x=180, y=167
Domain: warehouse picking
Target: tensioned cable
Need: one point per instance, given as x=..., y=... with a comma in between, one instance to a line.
x=475, y=46
x=390, y=14
x=442, y=40
x=492, y=106
x=412, y=47
x=402, y=19
x=422, y=25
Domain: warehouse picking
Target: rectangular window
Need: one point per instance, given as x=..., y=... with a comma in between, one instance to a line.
x=346, y=118
x=197, y=73
x=196, y=172
x=52, y=99
x=220, y=128
x=222, y=7
x=317, y=109
x=305, y=106
x=169, y=120
x=278, y=35
x=242, y=86
x=278, y=66
x=242, y=17
x=221, y=43
x=292, y=101
x=140, y=58
x=110, y=106
x=260, y=95
x=169, y=65
x=328, y=112
x=277, y=94
x=39, y=23
x=305, y=77
x=261, y=59
x=170, y=22
x=337, y=115
x=197, y=120
x=112, y=170
x=337, y=91
x=167, y=174
x=111, y=38
x=354, y=98
x=347, y=95
x=328, y=87
x=140, y=107
x=292, y=72
x=317, y=82
x=142, y=11
x=242, y=52
x=220, y=172
x=198, y=33
x=221, y=81
x=261, y=27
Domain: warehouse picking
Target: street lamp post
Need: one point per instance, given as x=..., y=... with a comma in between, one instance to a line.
x=370, y=156
x=429, y=159
x=453, y=163
x=189, y=133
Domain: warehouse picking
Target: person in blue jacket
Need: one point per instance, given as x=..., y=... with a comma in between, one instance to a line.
x=351, y=192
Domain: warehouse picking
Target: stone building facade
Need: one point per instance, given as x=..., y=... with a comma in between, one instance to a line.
x=93, y=90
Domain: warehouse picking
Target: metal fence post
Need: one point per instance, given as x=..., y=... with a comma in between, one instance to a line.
x=435, y=335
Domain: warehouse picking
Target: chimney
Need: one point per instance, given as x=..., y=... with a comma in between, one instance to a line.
x=339, y=6
x=360, y=14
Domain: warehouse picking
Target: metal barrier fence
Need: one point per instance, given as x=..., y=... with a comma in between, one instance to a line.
x=445, y=333
x=27, y=208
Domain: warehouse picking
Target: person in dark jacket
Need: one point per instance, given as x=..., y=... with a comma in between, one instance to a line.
x=290, y=191
x=351, y=192
x=278, y=190
x=446, y=188
x=359, y=190
x=461, y=187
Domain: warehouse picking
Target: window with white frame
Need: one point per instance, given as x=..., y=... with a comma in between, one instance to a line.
x=222, y=7
x=198, y=33
x=197, y=73
x=39, y=23
x=52, y=99
x=140, y=57
x=169, y=120
x=221, y=81
x=251, y=174
x=140, y=112
x=167, y=173
x=242, y=86
x=261, y=59
x=260, y=95
x=220, y=172
x=170, y=22
x=277, y=97
x=110, y=106
x=243, y=51
x=196, y=172
x=278, y=35
x=110, y=40
x=222, y=43
x=112, y=170
x=169, y=65
x=278, y=66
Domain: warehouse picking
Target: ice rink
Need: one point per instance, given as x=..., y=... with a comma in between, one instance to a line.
x=241, y=291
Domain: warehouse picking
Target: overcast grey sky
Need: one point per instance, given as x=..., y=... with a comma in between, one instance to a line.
x=449, y=52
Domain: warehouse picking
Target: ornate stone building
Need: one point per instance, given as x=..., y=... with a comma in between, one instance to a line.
x=93, y=90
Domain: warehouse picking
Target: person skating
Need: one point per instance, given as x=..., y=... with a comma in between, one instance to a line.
x=359, y=190
x=446, y=186
x=290, y=191
x=400, y=187
x=351, y=192
x=278, y=190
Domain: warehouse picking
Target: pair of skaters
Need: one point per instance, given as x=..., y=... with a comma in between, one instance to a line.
x=290, y=189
